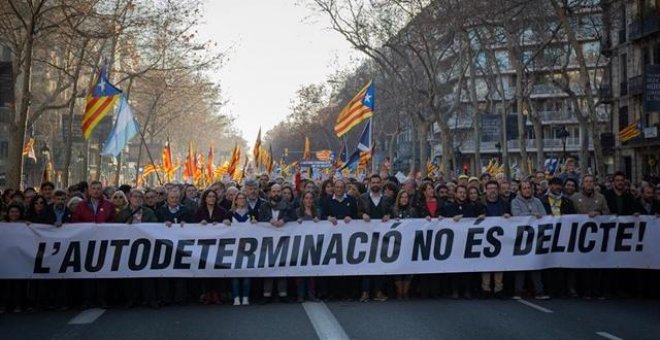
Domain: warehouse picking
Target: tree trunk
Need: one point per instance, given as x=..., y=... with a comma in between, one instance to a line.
x=423, y=129
x=538, y=132
x=586, y=86
x=72, y=106
x=18, y=125
x=476, y=119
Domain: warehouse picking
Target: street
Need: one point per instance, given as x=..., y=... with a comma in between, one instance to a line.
x=414, y=319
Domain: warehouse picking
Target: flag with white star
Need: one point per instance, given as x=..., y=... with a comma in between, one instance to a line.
x=359, y=109
x=100, y=100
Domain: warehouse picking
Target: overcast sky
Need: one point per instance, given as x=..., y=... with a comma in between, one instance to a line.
x=276, y=48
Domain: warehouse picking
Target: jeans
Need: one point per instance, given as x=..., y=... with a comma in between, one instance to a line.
x=240, y=285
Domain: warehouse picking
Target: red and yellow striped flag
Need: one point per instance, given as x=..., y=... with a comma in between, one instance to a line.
x=359, y=109
x=100, y=100
x=168, y=165
x=629, y=132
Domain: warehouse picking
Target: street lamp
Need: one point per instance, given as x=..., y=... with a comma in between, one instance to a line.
x=563, y=134
x=498, y=146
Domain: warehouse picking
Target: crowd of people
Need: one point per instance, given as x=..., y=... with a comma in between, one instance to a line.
x=339, y=201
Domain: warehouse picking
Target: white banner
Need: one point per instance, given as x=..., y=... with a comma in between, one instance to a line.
x=321, y=249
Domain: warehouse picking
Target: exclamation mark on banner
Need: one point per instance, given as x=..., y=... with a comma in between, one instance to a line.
x=640, y=235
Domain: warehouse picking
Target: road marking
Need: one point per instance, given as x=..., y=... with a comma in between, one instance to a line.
x=535, y=306
x=87, y=316
x=608, y=336
x=325, y=324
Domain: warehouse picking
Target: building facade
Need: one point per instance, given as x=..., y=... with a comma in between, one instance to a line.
x=633, y=42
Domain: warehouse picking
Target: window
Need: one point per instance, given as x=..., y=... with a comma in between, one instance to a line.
x=4, y=150
x=623, y=117
x=656, y=54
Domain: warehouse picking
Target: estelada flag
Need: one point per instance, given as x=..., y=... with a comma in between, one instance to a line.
x=359, y=109
x=100, y=100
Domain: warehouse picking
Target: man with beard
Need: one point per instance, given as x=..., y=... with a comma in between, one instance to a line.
x=647, y=204
x=505, y=191
x=461, y=207
x=254, y=201
x=277, y=212
x=557, y=204
x=374, y=205
x=570, y=186
x=619, y=201
x=525, y=204
x=494, y=205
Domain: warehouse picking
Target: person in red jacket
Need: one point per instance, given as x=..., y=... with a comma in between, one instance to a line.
x=95, y=209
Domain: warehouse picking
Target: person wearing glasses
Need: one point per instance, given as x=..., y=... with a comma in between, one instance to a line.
x=119, y=201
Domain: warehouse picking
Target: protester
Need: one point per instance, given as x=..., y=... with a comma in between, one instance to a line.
x=403, y=209
x=375, y=205
x=145, y=288
x=173, y=213
x=461, y=207
x=495, y=206
x=39, y=211
x=119, y=201
x=562, y=281
x=210, y=212
x=525, y=204
x=277, y=212
x=95, y=209
x=308, y=211
x=240, y=215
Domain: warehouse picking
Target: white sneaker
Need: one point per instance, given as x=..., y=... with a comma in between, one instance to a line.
x=516, y=297
x=237, y=301
x=246, y=301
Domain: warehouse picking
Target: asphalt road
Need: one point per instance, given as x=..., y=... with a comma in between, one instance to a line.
x=415, y=319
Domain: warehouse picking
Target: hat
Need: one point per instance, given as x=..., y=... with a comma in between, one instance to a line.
x=463, y=177
x=473, y=179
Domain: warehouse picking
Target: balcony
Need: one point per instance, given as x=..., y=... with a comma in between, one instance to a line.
x=549, y=145
x=566, y=117
x=642, y=28
x=636, y=86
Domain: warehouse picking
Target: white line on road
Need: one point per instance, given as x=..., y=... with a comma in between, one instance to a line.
x=608, y=336
x=87, y=316
x=325, y=324
x=535, y=306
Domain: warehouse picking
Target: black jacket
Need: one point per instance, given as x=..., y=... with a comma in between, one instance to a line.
x=567, y=207
x=628, y=206
x=367, y=206
x=466, y=209
x=285, y=212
